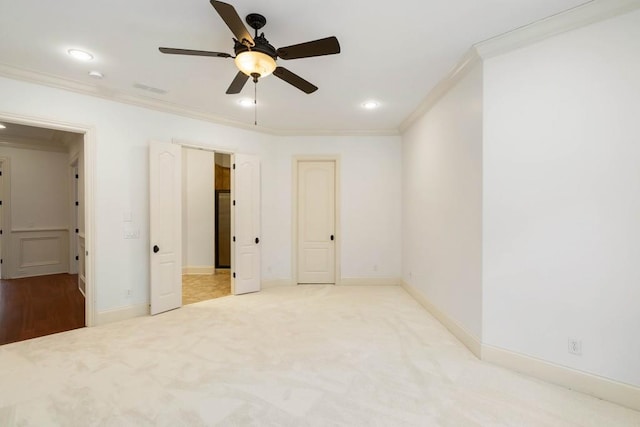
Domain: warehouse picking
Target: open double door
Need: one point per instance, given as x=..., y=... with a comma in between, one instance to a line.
x=165, y=181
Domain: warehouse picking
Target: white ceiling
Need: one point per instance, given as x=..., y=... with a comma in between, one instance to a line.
x=392, y=51
x=35, y=137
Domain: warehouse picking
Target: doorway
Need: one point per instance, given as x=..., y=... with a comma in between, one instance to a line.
x=167, y=192
x=316, y=220
x=206, y=239
x=42, y=216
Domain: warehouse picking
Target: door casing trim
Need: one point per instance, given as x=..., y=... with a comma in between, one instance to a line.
x=294, y=213
x=89, y=143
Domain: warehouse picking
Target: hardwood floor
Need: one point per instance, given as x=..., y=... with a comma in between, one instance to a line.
x=37, y=306
x=196, y=288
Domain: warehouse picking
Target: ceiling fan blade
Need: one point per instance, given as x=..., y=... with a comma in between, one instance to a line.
x=294, y=80
x=232, y=19
x=238, y=83
x=174, y=51
x=326, y=46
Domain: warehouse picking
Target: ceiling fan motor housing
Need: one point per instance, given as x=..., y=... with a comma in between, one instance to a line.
x=262, y=45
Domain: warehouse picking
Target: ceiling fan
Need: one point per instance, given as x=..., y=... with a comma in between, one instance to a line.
x=255, y=57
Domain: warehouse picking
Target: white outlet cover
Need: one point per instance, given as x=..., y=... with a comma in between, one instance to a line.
x=575, y=346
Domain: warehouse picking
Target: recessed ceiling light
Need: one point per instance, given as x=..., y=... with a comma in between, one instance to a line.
x=370, y=105
x=96, y=74
x=246, y=102
x=2, y=126
x=80, y=55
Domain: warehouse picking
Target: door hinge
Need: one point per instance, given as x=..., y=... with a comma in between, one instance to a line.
x=0, y=202
x=77, y=203
x=234, y=203
x=234, y=237
x=0, y=173
x=0, y=261
x=234, y=165
x=77, y=231
x=234, y=275
x=77, y=257
x=0, y=231
x=76, y=176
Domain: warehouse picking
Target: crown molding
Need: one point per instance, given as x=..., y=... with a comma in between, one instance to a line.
x=462, y=68
x=16, y=73
x=338, y=132
x=580, y=16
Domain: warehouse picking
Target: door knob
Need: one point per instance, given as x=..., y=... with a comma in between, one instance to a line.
x=257, y=240
x=156, y=249
x=332, y=237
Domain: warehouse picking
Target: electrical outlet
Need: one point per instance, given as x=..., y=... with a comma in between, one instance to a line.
x=575, y=346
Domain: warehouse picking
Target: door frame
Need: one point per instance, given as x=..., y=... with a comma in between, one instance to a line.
x=89, y=142
x=195, y=146
x=74, y=240
x=294, y=215
x=5, y=246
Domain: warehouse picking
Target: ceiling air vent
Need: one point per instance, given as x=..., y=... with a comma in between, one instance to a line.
x=149, y=88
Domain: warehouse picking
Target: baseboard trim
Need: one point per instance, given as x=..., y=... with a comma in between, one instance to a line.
x=124, y=313
x=583, y=382
x=470, y=341
x=199, y=270
x=369, y=281
x=594, y=385
x=276, y=283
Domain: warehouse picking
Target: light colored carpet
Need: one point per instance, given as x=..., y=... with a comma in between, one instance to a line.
x=202, y=287
x=290, y=356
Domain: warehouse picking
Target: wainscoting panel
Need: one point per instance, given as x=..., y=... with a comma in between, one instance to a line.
x=37, y=252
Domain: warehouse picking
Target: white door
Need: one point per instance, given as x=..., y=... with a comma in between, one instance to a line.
x=73, y=235
x=316, y=222
x=245, y=223
x=165, y=181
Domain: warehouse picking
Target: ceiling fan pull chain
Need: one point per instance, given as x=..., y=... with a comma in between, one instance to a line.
x=255, y=103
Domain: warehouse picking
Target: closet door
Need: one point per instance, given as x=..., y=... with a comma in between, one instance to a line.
x=316, y=221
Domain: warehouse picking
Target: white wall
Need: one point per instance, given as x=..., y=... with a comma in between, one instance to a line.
x=39, y=206
x=371, y=179
x=199, y=218
x=39, y=188
x=442, y=203
x=122, y=134
x=370, y=234
x=562, y=199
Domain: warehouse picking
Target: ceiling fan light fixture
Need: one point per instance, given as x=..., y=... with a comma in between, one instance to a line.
x=2, y=126
x=254, y=62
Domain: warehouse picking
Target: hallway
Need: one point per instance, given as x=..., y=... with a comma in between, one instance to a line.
x=36, y=306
